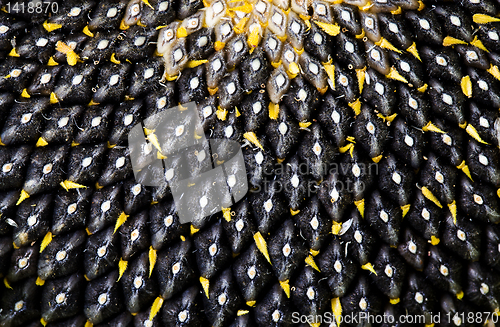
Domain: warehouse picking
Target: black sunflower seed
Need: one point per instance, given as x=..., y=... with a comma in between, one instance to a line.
x=462, y=237
x=106, y=15
x=484, y=123
x=456, y=23
x=20, y=304
x=192, y=85
x=379, y=92
x=484, y=163
x=230, y=90
x=44, y=81
x=62, y=298
x=102, y=253
x=286, y=251
x=212, y=253
x=61, y=124
x=283, y=133
x=46, y=169
x=335, y=117
x=488, y=34
x=72, y=14
x=314, y=224
x=347, y=18
x=70, y=210
x=420, y=298
x=32, y=219
x=93, y=125
x=126, y=116
x=395, y=179
x=134, y=235
x=447, y=101
x=448, y=145
x=14, y=163
x=394, y=29
x=444, y=271
x=102, y=298
x=164, y=224
x=138, y=289
x=136, y=44
x=310, y=294
x=390, y=271
x=230, y=128
x=184, y=310
x=359, y=173
x=410, y=68
x=482, y=288
x=74, y=83
x=439, y=179
x=453, y=308
x=269, y=206
x=241, y=228
x=425, y=217
x=224, y=300
x=20, y=73
x=25, y=122
x=473, y=57
x=343, y=270
x=147, y=74
x=111, y=82
x=13, y=27
x=317, y=42
x=408, y=143
x=413, y=249
x=385, y=218
x=84, y=163
x=346, y=84
x=316, y=151
x=117, y=167
x=359, y=238
x=361, y=299
x=62, y=256
x=106, y=207
x=173, y=269
x=442, y=64
x=370, y=131
x=252, y=274
x=414, y=106
x=100, y=47
x=492, y=251
x=301, y=99
x=23, y=264
x=253, y=109
x=274, y=309
x=335, y=195
x=479, y=201
x=348, y=51
x=38, y=44
x=484, y=87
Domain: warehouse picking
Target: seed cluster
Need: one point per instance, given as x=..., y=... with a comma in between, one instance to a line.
x=370, y=132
